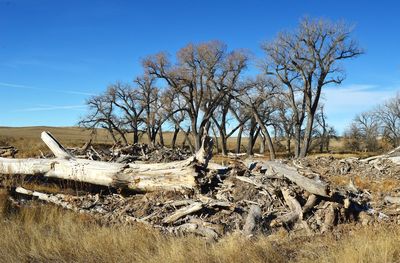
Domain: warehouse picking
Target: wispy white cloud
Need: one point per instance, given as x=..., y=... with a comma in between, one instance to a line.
x=355, y=98
x=10, y=85
x=19, y=86
x=343, y=103
x=51, y=108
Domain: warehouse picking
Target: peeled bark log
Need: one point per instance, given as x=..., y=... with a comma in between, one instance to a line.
x=311, y=202
x=197, y=229
x=295, y=214
x=180, y=175
x=310, y=185
x=252, y=220
x=49, y=198
x=392, y=155
x=330, y=217
x=183, y=212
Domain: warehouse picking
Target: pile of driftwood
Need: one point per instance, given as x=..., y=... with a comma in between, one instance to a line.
x=8, y=151
x=130, y=153
x=203, y=198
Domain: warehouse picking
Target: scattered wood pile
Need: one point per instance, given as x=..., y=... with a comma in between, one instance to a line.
x=8, y=151
x=203, y=198
x=130, y=153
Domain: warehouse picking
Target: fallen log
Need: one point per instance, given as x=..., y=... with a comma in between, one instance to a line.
x=179, y=175
x=295, y=214
x=197, y=229
x=252, y=220
x=392, y=155
x=183, y=212
x=57, y=200
x=311, y=202
x=312, y=186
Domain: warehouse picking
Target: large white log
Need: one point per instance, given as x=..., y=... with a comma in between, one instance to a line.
x=180, y=175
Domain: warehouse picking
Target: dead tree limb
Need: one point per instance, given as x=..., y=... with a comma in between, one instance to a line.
x=295, y=214
x=310, y=185
x=180, y=175
x=187, y=210
x=252, y=220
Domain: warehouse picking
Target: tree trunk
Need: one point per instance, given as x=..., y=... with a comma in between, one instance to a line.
x=297, y=140
x=216, y=139
x=161, y=136
x=250, y=143
x=174, y=176
x=239, y=139
x=288, y=146
x=197, y=140
x=266, y=135
x=312, y=186
x=307, y=136
x=224, y=146
x=262, y=144
x=111, y=132
x=187, y=139
x=135, y=135
x=174, y=137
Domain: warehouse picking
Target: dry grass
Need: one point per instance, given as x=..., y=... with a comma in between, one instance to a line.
x=48, y=234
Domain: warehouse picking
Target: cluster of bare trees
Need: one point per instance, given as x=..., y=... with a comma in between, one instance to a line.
x=207, y=89
x=371, y=127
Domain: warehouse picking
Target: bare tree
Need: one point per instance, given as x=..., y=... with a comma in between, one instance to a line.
x=353, y=137
x=305, y=61
x=258, y=99
x=151, y=102
x=389, y=117
x=221, y=119
x=284, y=120
x=203, y=75
x=174, y=106
x=128, y=99
x=323, y=132
x=101, y=114
x=364, y=132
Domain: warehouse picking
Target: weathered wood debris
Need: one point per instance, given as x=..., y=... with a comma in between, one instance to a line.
x=8, y=151
x=203, y=198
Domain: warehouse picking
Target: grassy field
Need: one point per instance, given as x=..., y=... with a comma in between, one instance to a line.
x=27, y=139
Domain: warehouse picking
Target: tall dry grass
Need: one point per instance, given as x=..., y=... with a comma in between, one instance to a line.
x=47, y=234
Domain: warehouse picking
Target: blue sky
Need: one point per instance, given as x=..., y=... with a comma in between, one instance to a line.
x=54, y=53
